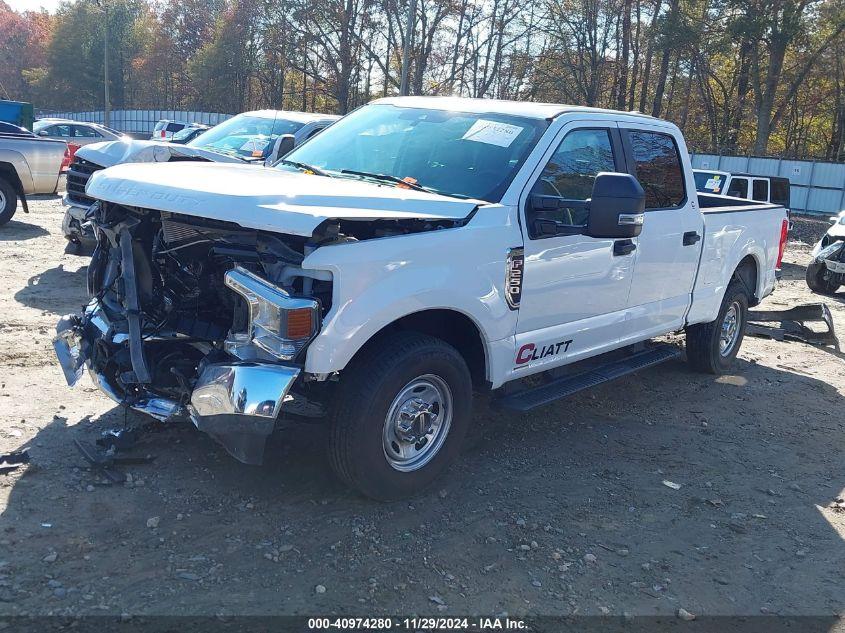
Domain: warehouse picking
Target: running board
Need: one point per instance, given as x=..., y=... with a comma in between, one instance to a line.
x=568, y=385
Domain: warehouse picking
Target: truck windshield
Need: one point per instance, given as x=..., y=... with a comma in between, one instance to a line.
x=244, y=136
x=709, y=182
x=453, y=153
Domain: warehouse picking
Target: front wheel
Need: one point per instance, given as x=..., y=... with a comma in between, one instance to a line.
x=820, y=280
x=8, y=201
x=400, y=417
x=712, y=347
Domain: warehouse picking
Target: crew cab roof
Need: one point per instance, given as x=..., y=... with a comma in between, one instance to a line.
x=544, y=111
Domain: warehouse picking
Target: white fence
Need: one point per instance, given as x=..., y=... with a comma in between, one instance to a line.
x=140, y=121
x=815, y=186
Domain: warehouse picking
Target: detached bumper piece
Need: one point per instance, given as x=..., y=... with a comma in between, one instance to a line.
x=237, y=404
x=791, y=324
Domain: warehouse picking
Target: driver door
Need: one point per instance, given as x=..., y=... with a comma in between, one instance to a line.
x=575, y=288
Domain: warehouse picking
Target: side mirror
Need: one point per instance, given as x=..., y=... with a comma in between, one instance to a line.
x=43, y=133
x=282, y=146
x=616, y=206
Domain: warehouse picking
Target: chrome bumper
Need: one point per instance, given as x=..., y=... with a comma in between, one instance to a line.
x=236, y=403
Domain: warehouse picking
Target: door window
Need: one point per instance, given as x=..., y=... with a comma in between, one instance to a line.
x=760, y=190
x=59, y=130
x=570, y=174
x=738, y=188
x=657, y=165
x=82, y=131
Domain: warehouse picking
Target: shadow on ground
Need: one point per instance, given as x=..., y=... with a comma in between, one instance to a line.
x=15, y=231
x=56, y=289
x=758, y=456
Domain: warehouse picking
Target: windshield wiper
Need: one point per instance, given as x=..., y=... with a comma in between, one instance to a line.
x=388, y=178
x=305, y=167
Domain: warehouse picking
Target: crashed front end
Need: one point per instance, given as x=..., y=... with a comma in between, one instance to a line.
x=198, y=317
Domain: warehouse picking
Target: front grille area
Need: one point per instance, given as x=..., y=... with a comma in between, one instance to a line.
x=77, y=177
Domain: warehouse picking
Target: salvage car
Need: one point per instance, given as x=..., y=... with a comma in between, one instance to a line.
x=826, y=271
x=416, y=251
x=256, y=137
x=28, y=165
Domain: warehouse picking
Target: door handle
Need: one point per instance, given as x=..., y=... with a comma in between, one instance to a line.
x=690, y=238
x=623, y=247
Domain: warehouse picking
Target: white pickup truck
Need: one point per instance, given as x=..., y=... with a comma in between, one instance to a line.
x=417, y=250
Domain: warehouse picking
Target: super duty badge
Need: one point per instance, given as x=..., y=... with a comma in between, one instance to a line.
x=513, y=278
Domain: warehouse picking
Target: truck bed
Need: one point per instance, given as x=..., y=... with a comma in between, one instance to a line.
x=732, y=233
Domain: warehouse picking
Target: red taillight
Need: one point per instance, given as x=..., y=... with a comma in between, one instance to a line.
x=162, y=134
x=784, y=231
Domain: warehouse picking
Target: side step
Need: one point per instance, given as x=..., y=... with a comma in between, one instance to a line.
x=563, y=387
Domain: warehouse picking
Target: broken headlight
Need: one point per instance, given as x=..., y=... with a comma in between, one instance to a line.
x=279, y=324
x=829, y=251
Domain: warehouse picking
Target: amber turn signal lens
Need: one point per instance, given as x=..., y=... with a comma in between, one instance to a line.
x=299, y=324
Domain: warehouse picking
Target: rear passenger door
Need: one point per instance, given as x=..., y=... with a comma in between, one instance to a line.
x=668, y=248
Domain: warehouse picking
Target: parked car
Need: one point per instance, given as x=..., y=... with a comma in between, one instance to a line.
x=258, y=137
x=28, y=165
x=77, y=132
x=826, y=271
x=165, y=129
x=189, y=133
x=415, y=251
x=772, y=189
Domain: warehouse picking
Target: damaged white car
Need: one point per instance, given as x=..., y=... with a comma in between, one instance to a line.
x=826, y=272
x=416, y=251
x=260, y=137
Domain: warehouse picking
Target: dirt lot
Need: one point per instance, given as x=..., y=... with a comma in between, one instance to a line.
x=558, y=512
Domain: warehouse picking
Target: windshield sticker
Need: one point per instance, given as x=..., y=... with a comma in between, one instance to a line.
x=713, y=184
x=492, y=133
x=255, y=145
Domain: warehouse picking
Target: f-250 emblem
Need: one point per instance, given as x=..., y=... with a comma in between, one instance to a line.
x=529, y=352
x=513, y=278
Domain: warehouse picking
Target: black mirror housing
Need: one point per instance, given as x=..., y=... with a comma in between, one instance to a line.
x=616, y=206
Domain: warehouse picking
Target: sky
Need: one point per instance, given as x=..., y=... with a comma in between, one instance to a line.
x=33, y=5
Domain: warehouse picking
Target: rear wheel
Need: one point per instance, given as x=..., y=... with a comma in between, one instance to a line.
x=8, y=201
x=712, y=347
x=401, y=414
x=820, y=279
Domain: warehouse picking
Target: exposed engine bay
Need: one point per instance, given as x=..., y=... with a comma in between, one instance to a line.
x=206, y=317
x=183, y=310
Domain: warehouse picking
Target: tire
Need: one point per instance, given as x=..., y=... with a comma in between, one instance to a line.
x=705, y=351
x=8, y=201
x=405, y=368
x=816, y=279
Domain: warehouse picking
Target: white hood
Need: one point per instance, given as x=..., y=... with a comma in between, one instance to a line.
x=113, y=153
x=265, y=198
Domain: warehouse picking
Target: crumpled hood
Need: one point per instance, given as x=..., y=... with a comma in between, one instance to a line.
x=113, y=153
x=265, y=198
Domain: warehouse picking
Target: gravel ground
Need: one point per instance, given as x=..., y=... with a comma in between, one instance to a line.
x=567, y=510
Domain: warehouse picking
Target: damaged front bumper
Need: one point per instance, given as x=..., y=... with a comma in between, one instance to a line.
x=235, y=402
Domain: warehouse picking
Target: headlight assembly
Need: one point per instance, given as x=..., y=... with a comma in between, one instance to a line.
x=279, y=324
x=829, y=251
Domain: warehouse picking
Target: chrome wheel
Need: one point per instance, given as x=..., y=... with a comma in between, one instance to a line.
x=730, y=329
x=417, y=423
x=2, y=201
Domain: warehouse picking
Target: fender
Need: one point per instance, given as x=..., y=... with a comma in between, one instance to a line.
x=21, y=167
x=379, y=281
